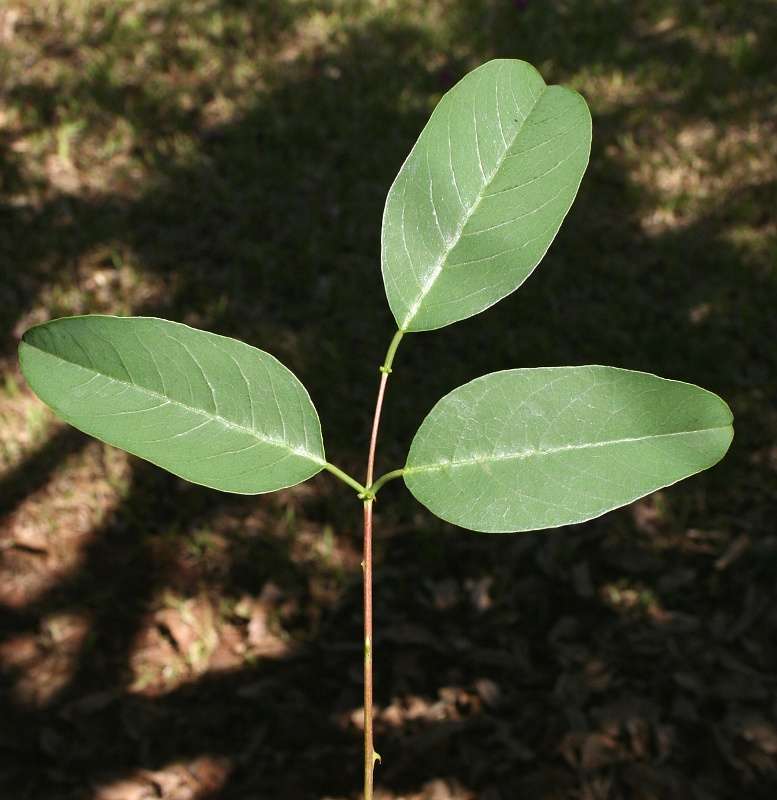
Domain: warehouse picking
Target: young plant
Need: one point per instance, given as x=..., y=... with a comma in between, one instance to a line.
x=471, y=213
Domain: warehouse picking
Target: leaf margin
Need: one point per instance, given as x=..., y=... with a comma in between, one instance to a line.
x=402, y=324
x=24, y=345
x=409, y=470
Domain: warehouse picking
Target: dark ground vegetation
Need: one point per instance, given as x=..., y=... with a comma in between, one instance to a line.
x=224, y=163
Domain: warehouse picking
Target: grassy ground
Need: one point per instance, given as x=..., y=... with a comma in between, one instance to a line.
x=224, y=163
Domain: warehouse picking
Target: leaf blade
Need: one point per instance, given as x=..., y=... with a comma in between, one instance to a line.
x=529, y=449
x=210, y=409
x=482, y=194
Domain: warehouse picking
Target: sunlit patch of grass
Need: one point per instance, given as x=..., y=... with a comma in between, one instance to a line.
x=110, y=87
x=24, y=422
x=107, y=280
x=45, y=662
x=195, y=778
x=687, y=177
x=612, y=89
x=46, y=532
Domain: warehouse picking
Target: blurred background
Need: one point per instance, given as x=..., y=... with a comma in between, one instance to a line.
x=225, y=163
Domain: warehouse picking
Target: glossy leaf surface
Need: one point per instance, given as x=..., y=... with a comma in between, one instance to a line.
x=527, y=449
x=482, y=194
x=210, y=409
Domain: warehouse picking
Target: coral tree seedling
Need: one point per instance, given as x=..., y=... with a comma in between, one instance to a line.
x=471, y=213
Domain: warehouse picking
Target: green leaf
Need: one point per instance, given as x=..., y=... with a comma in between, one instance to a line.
x=526, y=449
x=482, y=194
x=212, y=410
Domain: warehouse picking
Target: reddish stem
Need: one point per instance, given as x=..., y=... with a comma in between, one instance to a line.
x=369, y=748
x=370, y=756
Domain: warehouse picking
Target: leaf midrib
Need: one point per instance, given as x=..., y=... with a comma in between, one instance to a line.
x=439, y=264
x=209, y=415
x=528, y=453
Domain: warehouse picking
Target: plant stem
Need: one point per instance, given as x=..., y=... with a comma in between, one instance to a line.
x=370, y=756
x=369, y=746
x=384, y=479
x=386, y=367
x=345, y=477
